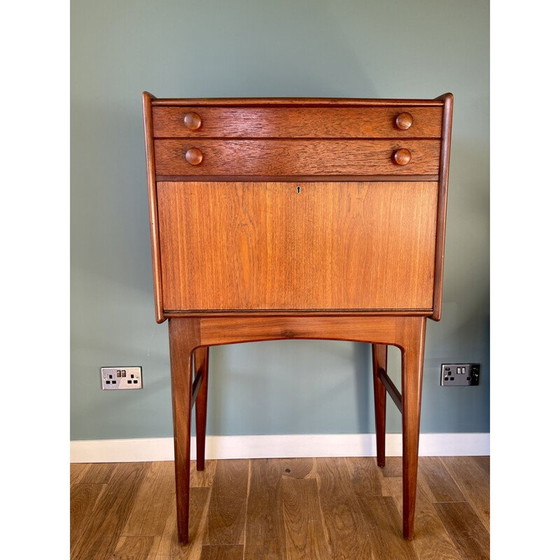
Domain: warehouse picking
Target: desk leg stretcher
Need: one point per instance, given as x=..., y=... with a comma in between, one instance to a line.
x=201, y=367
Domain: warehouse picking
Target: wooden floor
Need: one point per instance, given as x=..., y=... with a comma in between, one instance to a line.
x=268, y=509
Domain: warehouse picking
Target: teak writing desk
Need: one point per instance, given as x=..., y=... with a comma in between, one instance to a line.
x=288, y=218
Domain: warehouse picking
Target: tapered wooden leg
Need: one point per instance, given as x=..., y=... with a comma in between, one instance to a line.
x=412, y=367
x=183, y=340
x=201, y=365
x=379, y=358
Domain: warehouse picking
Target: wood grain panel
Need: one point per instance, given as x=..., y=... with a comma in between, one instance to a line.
x=297, y=122
x=296, y=157
x=272, y=246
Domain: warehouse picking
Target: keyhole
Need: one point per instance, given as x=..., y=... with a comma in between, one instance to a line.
x=298, y=189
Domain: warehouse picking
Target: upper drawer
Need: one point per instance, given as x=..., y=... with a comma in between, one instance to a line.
x=296, y=157
x=297, y=122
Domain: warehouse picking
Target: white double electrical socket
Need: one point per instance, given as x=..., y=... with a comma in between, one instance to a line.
x=121, y=377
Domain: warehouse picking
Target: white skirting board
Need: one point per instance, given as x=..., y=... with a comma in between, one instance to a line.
x=275, y=446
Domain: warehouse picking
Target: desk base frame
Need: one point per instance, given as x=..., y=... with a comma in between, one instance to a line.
x=190, y=338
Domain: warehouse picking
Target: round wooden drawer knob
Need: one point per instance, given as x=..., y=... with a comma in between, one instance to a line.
x=192, y=121
x=402, y=156
x=194, y=156
x=403, y=121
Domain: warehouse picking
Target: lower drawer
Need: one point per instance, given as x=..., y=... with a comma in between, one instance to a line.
x=246, y=246
x=254, y=158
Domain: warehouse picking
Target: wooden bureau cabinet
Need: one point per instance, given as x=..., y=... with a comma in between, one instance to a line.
x=297, y=218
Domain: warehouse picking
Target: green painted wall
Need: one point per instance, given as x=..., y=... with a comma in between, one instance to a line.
x=251, y=48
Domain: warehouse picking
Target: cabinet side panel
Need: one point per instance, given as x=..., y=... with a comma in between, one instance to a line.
x=152, y=203
x=283, y=246
x=442, y=202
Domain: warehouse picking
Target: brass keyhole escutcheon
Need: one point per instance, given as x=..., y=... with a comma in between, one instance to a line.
x=298, y=189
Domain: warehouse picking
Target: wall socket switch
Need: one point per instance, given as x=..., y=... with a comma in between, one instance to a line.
x=459, y=375
x=121, y=377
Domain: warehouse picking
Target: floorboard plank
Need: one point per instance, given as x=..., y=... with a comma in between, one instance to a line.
x=77, y=471
x=228, y=503
x=484, y=462
x=205, y=477
x=365, y=475
x=305, y=536
x=474, y=482
x=222, y=552
x=381, y=513
x=393, y=467
x=439, y=482
x=298, y=468
x=431, y=541
x=465, y=530
x=154, y=501
x=264, y=531
x=99, y=473
x=341, y=512
x=169, y=547
x=83, y=498
x=110, y=513
x=133, y=548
